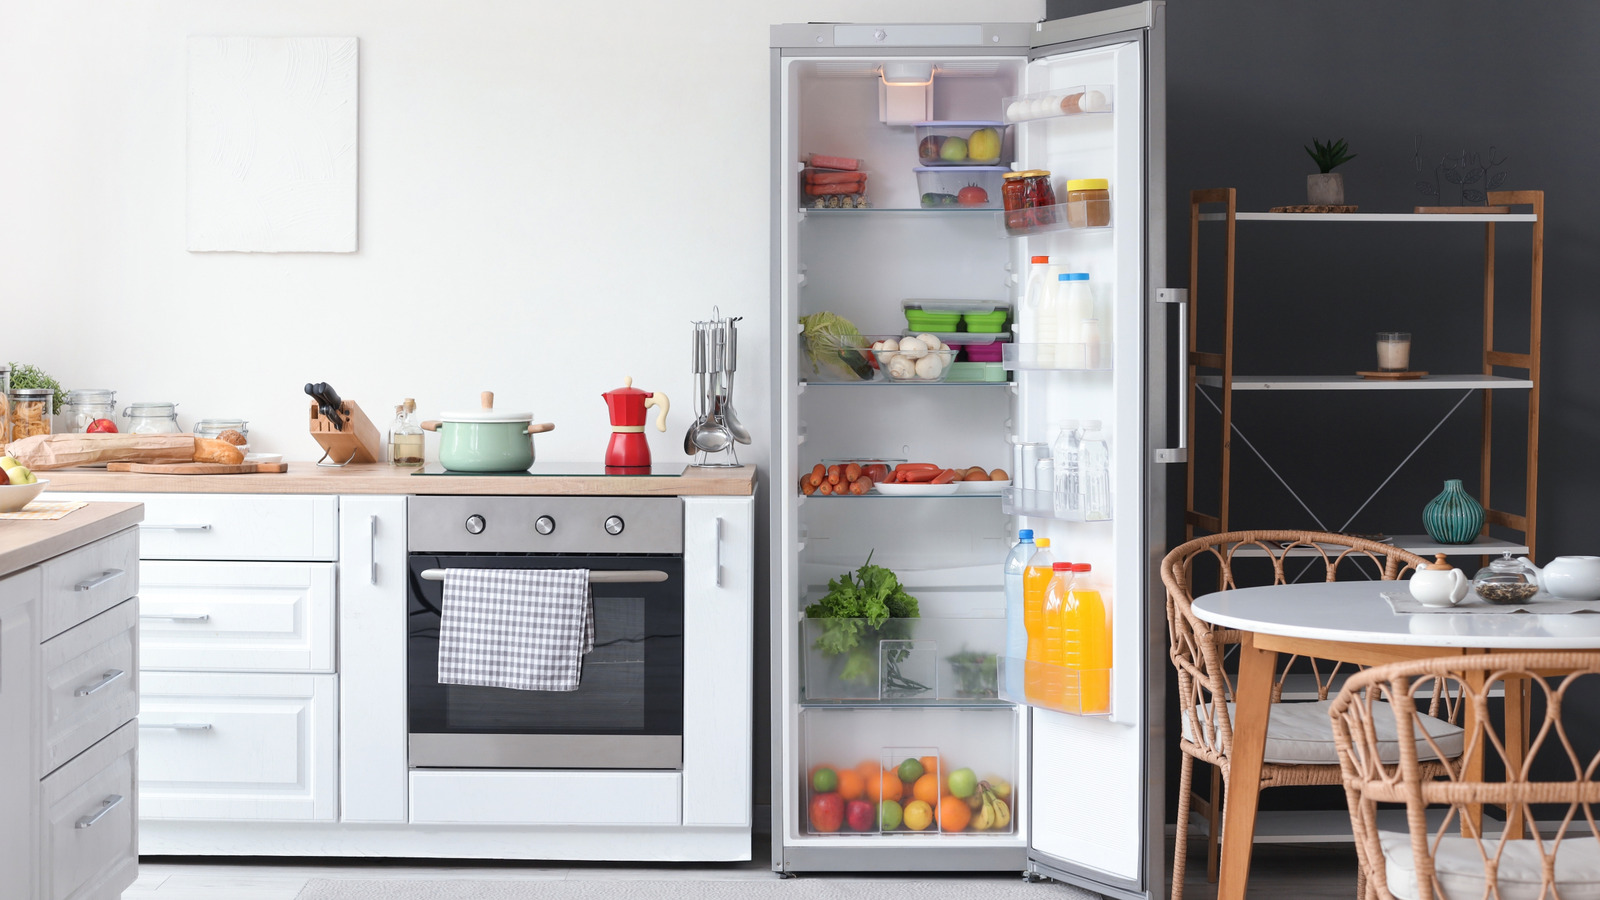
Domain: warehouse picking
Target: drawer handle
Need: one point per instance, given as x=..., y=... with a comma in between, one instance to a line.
x=106, y=805
x=620, y=576
x=177, y=726
x=176, y=527
x=106, y=577
x=177, y=617
x=110, y=676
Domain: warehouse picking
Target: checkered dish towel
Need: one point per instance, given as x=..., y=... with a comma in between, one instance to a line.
x=525, y=629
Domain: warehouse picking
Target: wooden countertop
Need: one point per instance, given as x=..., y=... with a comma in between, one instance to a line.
x=381, y=478
x=28, y=542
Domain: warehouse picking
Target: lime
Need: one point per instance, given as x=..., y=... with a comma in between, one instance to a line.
x=824, y=780
x=910, y=771
x=889, y=815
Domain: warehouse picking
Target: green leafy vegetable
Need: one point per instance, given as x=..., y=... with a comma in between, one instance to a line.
x=26, y=376
x=977, y=673
x=858, y=609
x=836, y=347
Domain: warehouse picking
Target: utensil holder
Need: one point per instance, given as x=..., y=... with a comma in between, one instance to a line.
x=360, y=441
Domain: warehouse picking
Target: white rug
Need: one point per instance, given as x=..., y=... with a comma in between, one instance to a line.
x=784, y=889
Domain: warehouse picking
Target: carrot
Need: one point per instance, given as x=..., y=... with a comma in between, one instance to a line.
x=852, y=472
x=825, y=488
x=806, y=487
x=834, y=471
x=861, y=486
x=817, y=474
x=945, y=477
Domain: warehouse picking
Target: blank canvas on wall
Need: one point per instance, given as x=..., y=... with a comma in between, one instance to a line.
x=272, y=144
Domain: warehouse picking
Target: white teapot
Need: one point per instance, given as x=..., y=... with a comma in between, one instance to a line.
x=1438, y=583
x=1569, y=577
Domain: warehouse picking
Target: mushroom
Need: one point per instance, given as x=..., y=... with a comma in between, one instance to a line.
x=929, y=367
x=913, y=348
x=933, y=342
x=901, y=368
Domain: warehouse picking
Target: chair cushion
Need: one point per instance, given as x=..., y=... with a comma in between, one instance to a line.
x=1459, y=868
x=1302, y=734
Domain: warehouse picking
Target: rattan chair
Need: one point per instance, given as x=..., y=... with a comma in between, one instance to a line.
x=1455, y=857
x=1300, y=747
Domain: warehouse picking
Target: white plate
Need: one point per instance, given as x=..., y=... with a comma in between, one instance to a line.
x=263, y=457
x=917, y=490
x=982, y=487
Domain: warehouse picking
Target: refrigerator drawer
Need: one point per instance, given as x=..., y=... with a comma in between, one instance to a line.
x=902, y=660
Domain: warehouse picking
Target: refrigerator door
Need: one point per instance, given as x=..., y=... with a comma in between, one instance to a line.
x=1096, y=809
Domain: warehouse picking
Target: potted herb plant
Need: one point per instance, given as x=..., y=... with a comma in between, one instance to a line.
x=1327, y=188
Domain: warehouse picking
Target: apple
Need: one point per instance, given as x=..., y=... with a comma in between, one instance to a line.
x=8, y=462
x=889, y=815
x=954, y=149
x=984, y=145
x=824, y=780
x=827, y=812
x=930, y=147
x=4, y=477
x=21, y=475
x=859, y=814
x=101, y=426
x=963, y=782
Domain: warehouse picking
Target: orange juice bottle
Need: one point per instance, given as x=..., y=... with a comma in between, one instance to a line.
x=1035, y=578
x=1053, y=687
x=1088, y=641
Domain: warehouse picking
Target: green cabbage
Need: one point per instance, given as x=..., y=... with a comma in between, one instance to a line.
x=835, y=348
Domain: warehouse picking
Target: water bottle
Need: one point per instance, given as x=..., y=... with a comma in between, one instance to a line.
x=1094, y=473
x=1016, y=631
x=1064, y=475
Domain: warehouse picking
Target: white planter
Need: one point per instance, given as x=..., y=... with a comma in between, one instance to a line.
x=1326, y=189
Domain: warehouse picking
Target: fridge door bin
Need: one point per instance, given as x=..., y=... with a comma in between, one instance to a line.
x=1078, y=692
x=1082, y=100
x=860, y=755
x=1096, y=357
x=1015, y=501
x=926, y=660
x=1071, y=216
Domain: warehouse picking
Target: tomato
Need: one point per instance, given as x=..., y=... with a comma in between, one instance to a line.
x=972, y=195
x=101, y=426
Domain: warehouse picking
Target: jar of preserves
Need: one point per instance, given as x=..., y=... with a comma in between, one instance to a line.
x=152, y=418
x=1088, y=203
x=30, y=412
x=1028, y=198
x=86, y=407
x=213, y=428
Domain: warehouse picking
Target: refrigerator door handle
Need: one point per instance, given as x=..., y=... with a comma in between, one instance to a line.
x=1179, y=297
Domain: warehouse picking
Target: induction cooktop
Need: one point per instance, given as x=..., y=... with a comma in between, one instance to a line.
x=569, y=470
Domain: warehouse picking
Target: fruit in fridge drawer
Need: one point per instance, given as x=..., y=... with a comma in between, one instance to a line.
x=824, y=780
x=930, y=146
x=983, y=145
x=889, y=815
x=910, y=770
x=963, y=782
x=989, y=813
x=972, y=195
x=851, y=785
x=953, y=150
x=918, y=815
x=954, y=814
x=926, y=789
x=827, y=812
x=859, y=815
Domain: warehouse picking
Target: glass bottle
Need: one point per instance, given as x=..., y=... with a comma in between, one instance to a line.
x=405, y=436
x=1094, y=473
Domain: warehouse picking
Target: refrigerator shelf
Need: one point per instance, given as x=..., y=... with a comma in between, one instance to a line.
x=1078, y=692
x=807, y=212
x=1015, y=501
x=906, y=384
x=874, y=495
x=1060, y=103
x=1096, y=357
x=935, y=703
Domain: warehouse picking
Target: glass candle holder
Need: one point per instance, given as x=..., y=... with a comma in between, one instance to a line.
x=1394, y=351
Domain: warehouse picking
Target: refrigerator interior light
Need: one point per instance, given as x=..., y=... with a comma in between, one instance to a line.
x=907, y=74
x=905, y=92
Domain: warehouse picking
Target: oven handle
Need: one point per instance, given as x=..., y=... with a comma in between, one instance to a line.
x=645, y=576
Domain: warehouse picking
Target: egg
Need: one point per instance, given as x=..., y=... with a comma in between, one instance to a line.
x=1093, y=101
x=1017, y=111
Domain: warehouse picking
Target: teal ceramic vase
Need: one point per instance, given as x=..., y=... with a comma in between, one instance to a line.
x=1453, y=517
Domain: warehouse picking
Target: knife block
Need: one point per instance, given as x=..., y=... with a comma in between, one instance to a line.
x=360, y=441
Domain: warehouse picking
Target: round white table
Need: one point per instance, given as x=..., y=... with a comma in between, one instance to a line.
x=1349, y=621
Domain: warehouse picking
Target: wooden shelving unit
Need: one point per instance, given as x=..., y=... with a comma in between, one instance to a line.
x=1215, y=369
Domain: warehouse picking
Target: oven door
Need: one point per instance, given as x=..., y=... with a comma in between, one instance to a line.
x=627, y=712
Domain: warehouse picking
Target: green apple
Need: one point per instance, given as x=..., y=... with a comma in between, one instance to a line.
x=889, y=815
x=954, y=149
x=21, y=475
x=7, y=462
x=963, y=782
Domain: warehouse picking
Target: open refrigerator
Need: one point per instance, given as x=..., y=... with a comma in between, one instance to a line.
x=1083, y=791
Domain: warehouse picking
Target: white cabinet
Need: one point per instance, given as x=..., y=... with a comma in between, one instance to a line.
x=19, y=738
x=559, y=797
x=90, y=683
x=237, y=617
x=372, y=680
x=87, y=823
x=718, y=621
x=289, y=527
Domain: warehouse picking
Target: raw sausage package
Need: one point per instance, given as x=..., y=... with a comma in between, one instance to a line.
x=58, y=451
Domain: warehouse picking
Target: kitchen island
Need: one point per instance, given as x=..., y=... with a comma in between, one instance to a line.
x=68, y=697
x=281, y=675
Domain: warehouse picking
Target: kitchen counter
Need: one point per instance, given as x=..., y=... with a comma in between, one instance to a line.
x=25, y=542
x=382, y=478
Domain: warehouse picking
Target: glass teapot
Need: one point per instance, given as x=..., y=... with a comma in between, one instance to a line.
x=1506, y=581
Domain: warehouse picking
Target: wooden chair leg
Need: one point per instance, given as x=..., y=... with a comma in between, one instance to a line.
x=1180, y=838
x=1214, y=826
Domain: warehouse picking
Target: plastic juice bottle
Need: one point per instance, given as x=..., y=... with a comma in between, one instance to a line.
x=1035, y=579
x=1088, y=645
x=1052, y=687
x=1016, y=632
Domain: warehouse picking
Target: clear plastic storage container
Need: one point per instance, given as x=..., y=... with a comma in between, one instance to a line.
x=952, y=143
x=960, y=187
x=902, y=660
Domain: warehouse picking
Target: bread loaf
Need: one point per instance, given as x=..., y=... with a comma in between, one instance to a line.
x=56, y=451
x=214, y=451
x=232, y=437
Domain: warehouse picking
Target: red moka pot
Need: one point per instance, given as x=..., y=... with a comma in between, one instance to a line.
x=629, y=410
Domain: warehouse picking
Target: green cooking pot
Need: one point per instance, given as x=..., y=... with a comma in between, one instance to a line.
x=486, y=439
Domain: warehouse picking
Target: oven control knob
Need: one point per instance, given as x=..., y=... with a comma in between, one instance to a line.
x=614, y=525
x=544, y=524
x=475, y=524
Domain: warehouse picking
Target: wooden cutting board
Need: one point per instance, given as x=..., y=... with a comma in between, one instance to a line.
x=197, y=468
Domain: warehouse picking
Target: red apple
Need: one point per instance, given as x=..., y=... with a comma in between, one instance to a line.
x=5, y=477
x=827, y=812
x=859, y=814
x=101, y=426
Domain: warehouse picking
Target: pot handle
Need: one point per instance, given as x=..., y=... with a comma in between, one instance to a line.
x=431, y=425
x=541, y=428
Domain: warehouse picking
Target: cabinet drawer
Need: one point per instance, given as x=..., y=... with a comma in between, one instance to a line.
x=293, y=527
x=91, y=683
x=85, y=582
x=239, y=747
x=236, y=617
x=496, y=797
x=89, y=843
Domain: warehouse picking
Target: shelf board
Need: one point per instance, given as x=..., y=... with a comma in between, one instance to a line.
x=907, y=704
x=904, y=384
x=1420, y=544
x=1357, y=383
x=877, y=496
x=1370, y=217
x=916, y=210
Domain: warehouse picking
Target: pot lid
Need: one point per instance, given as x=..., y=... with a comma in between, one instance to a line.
x=627, y=389
x=486, y=413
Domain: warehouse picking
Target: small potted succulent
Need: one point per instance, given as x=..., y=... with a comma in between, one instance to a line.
x=1327, y=188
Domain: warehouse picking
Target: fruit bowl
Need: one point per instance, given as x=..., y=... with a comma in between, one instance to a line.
x=14, y=497
x=951, y=143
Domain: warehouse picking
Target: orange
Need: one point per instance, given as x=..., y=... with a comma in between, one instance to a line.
x=851, y=784
x=954, y=814
x=930, y=764
x=892, y=788
x=871, y=780
x=927, y=789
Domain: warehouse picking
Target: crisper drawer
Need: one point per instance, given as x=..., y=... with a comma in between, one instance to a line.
x=502, y=797
x=293, y=527
x=85, y=582
x=89, y=847
x=236, y=617
x=91, y=683
x=901, y=660
x=241, y=747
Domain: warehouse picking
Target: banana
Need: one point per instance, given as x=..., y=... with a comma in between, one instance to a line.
x=985, y=818
x=1002, y=815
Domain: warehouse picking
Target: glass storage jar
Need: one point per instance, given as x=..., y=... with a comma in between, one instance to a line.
x=1505, y=581
x=1029, y=199
x=152, y=418
x=84, y=406
x=210, y=428
x=5, y=404
x=30, y=412
x=1088, y=203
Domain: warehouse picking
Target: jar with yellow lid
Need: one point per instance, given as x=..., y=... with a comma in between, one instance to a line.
x=1088, y=203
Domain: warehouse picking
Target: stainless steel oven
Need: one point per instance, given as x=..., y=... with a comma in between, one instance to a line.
x=628, y=710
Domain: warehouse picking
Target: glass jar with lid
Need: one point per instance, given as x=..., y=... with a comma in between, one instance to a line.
x=152, y=418
x=1505, y=581
x=5, y=404
x=30, y=412
x=85, y=407
x=1088, y=203
x=212, y=428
